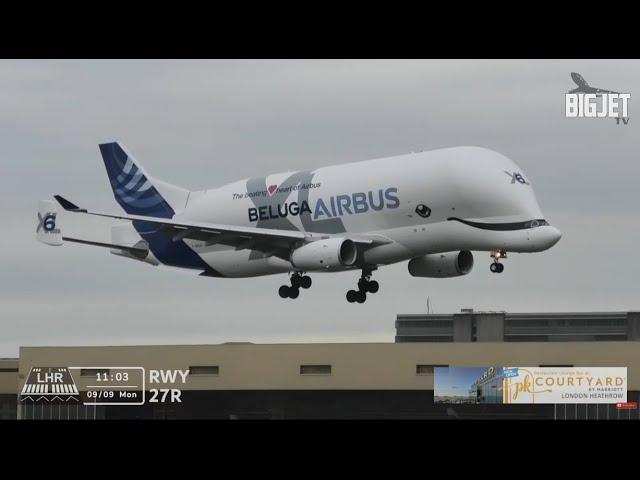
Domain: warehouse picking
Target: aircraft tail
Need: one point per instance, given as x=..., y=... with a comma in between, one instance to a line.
x=136, y=191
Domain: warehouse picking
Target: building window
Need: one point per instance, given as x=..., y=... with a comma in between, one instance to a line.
x=426, y=323
x=93, y=372
x=423, y=338
x=427, y=369
x=212, y=370
x=315, y=369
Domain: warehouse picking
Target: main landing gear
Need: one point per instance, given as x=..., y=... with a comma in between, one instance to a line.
x=496, y=266
x=365, y=284
x=297, y=281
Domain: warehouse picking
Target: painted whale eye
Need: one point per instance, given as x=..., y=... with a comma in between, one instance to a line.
x=423, y=210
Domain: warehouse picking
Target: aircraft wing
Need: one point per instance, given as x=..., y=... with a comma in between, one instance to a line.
x=264, y=239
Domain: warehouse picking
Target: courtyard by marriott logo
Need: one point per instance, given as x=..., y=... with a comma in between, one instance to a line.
x=565, y=385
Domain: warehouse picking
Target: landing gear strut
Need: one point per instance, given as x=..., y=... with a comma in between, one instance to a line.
x=365, y=284
x=496, y=266
x=297, y=281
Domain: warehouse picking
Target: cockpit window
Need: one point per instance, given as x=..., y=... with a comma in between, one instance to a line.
x=537, y=223
x=540, y=222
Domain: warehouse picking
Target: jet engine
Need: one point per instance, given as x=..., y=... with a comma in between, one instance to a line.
x=325, y=254
x=442, y=265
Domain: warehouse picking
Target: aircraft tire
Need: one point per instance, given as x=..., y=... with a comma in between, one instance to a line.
x=352, y=296
x=284, y=291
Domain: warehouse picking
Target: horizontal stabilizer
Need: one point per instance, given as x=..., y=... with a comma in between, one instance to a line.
x=67, y=205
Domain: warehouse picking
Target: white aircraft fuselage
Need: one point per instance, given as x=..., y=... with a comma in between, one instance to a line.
x=379, y=197
x=430, y=208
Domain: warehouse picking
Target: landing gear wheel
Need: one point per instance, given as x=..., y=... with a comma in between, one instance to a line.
x=297, y=281
x=305, y=282
x=284, y=291
x=497, y=255
x=496, y=267
x=365, y=285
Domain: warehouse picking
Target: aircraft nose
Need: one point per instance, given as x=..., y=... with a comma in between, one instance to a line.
x=552, y=236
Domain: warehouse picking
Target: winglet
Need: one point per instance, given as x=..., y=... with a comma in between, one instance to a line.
x=67, y=205
x=48, y=232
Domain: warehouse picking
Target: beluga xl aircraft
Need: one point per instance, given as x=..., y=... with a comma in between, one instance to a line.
x=431, y=209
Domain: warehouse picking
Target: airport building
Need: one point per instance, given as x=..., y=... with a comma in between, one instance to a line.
x=470, y=326
x=339, y=380
x=8, y=387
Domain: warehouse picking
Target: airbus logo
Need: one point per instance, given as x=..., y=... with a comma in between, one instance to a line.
x=333, y=207
x=516, y=177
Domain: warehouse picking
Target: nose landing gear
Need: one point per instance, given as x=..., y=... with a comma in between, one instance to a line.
x=365, y=285
x=297, y=281
x=496, y=266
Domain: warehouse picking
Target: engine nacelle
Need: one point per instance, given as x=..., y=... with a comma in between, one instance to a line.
x=324, y=254
x=442, y=265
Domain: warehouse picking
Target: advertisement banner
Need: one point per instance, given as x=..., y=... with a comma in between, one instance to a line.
x=565, y=385
x=531, y=385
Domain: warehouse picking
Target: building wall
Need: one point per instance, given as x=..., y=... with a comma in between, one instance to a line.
x=633, y=326
x=489, y=327
x=354, y=366
x=470, y=326
x=8, y=375
x=370, y=381
x=323, y=404
x=462, y=327
x=8, y=388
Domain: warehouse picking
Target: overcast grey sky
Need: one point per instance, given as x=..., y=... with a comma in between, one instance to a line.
x=205, y=123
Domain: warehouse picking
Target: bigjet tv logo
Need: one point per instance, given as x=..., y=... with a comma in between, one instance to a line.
x=332, y=207
x=591, y=102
